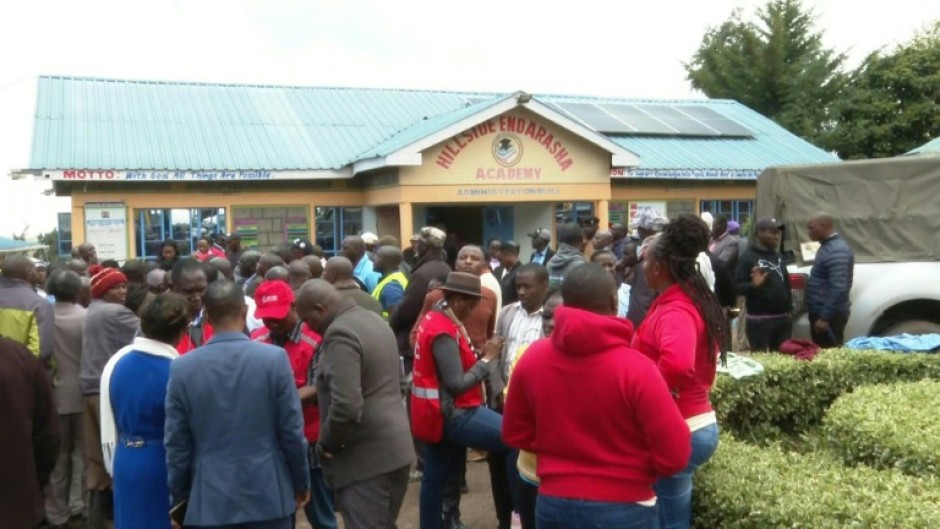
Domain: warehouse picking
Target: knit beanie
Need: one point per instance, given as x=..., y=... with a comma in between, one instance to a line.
x=105, y=280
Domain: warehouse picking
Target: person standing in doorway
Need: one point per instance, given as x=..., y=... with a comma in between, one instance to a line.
x=509, y=266
x=493, y=248
x=542, y=254
x=829, y=284
x=762, y=279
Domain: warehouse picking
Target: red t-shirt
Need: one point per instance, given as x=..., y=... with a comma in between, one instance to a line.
x=301, y=345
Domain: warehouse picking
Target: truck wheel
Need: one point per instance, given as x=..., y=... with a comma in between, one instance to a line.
x=912, y=327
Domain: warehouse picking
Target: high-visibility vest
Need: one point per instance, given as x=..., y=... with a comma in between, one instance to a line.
x=427, y=418
x=377, y=293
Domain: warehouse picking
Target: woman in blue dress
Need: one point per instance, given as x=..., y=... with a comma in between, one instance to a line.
x=133, y=392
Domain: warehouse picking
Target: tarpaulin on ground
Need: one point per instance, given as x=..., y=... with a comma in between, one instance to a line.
x=907, y=343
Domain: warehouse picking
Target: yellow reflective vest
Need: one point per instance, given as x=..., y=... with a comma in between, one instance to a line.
x=398, y=277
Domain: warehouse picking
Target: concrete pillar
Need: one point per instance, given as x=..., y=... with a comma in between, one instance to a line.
x=406, y=219
x=602, y=211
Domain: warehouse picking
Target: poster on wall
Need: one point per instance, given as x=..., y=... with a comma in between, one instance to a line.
x=638, y=207
x=616, y=213
x=106, y=228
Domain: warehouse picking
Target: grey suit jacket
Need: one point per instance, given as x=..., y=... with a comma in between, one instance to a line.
x=234, y=435
x=362, y=416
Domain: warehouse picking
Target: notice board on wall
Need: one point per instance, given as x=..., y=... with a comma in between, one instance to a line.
x=106, y=228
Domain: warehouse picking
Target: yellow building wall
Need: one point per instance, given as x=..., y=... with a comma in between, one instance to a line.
x=517, y=150
x=183, y=199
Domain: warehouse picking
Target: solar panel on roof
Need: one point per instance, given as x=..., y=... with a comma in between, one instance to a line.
x=639, y=120
x=715, y=120
x=685, y=124
x=594, y=117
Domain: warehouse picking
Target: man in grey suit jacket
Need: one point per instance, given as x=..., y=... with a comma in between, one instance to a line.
x=365, y=442
x=234, y=435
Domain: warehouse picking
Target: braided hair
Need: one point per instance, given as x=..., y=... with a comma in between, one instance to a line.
x=678, y=248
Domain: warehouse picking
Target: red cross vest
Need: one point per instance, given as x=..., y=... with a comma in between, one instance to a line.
x=427, y=418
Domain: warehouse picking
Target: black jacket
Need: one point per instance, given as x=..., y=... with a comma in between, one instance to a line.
x=773, y=297
x=403, y=319
x=507, y=283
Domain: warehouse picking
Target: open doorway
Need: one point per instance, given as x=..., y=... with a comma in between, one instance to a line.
x=463, y=224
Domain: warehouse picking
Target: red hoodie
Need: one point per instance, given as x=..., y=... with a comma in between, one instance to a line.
x=673, y=335
x=596, y=412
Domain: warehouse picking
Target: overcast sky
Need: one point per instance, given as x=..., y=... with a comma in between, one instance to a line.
x=632, y=49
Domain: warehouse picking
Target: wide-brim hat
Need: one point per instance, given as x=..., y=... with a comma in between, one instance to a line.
x=463, y=283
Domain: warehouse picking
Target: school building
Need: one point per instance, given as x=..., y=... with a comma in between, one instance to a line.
x=147, y=161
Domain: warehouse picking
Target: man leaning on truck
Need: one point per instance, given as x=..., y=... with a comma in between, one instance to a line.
x=827, y=290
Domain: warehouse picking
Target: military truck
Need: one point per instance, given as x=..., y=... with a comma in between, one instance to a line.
x=889, y=212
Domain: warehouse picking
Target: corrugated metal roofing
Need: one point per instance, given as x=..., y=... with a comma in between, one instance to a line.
x=118, y=124
x=931, y=147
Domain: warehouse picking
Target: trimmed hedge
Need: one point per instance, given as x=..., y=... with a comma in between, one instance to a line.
x=746, y=486
x=888, y=426
x=791, y=396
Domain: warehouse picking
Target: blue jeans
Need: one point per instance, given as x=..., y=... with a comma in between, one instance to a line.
x=674, y=494
x=319, y=510
x=478, y=428
x=564, y=513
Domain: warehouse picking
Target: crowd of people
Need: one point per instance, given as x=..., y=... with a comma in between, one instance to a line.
x=233, y=388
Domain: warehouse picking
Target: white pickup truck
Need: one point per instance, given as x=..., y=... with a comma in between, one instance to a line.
x=889, y=212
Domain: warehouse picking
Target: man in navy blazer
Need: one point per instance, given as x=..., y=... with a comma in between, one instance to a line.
x=234, y=437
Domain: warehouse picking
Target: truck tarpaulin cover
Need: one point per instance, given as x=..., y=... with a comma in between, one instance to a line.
x=887, y=209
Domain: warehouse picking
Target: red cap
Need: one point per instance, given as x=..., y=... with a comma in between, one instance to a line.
x=273, y=300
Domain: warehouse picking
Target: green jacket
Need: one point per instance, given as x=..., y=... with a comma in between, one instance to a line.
x=26, y=317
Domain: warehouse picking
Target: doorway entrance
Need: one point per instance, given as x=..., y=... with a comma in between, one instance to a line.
x=473, y=224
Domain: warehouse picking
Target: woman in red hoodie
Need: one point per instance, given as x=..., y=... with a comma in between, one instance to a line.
x=681, y=333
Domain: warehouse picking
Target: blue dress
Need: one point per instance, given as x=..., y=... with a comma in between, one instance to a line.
x=138, y=394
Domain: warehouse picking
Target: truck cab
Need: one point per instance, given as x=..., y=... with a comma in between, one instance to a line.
x=888, y=211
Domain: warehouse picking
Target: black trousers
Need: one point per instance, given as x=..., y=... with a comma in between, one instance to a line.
x=502, y=488
x=834, y=336
x=451, y=501
x=528, y=494
x=767, y=334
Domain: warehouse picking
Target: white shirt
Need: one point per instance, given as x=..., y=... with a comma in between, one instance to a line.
x=523, y=329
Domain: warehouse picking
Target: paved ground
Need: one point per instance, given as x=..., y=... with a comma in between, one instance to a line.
x=476, y=506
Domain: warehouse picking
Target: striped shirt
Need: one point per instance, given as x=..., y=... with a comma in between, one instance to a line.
x=518, y=328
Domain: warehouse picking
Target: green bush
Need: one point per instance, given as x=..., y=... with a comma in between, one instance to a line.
x=791, y=396
x=748, y=486
x=888, y=426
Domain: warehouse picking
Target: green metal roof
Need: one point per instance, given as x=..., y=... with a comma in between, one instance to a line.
x=118, y=124
x=931, y=147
